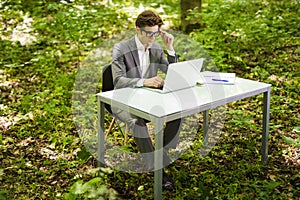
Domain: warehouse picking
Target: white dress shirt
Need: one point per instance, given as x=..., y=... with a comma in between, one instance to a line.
x=144, y=56
x=144, y=59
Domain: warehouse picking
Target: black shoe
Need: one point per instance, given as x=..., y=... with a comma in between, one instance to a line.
x=167, y=182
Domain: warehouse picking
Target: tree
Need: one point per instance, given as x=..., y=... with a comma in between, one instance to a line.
x=188, y=25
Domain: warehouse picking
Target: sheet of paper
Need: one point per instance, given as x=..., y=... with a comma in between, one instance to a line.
x=209, y=77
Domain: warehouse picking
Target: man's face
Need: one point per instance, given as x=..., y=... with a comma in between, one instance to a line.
x=147, y=34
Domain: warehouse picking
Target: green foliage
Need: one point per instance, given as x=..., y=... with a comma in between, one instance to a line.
x=243, y=33
x=92, y=189
x=46, y=44
x=293, y=141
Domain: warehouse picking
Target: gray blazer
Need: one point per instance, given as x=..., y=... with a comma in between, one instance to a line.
x=125, y=63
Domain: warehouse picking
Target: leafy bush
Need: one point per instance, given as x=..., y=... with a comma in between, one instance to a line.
x=92, y=189
x=44, y=44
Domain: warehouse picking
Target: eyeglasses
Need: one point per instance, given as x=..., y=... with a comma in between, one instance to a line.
x=150, y=33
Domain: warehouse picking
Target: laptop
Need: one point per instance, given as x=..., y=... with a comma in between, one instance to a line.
x=181, y=75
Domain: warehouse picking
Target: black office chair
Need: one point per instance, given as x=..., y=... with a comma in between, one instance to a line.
x=107, y=85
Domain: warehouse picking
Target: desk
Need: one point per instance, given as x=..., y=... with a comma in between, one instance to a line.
x=162, y=108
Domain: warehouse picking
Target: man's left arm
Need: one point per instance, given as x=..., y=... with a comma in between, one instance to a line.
x=168, y=40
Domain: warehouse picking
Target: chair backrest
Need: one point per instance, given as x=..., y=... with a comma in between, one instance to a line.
x=107, y=83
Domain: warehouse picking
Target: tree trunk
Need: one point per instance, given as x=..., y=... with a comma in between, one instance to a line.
x=187, y=26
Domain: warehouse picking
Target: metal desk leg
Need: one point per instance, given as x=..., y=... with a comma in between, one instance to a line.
x=265, y=133
x=158, y=159
x=101, y=150
x=205, y=124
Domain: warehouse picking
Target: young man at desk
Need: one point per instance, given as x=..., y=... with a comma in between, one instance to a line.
x=135, y=64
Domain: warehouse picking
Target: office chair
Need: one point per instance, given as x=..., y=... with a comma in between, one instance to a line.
x=107, y=85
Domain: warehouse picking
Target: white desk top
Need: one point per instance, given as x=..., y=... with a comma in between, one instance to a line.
x=199, y=97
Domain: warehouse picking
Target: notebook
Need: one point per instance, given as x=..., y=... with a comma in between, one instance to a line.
x=209, y=77
x=181, y=75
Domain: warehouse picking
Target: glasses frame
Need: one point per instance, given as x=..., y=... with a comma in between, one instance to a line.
x=150, y=34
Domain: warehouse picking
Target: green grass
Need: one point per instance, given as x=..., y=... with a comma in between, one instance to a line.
x=42, y=155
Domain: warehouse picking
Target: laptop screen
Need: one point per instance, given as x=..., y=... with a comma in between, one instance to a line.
x=182, y=75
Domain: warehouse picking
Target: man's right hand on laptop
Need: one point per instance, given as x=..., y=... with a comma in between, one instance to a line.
x=154, y=82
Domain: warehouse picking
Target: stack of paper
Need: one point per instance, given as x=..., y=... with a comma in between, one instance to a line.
x=209, y=77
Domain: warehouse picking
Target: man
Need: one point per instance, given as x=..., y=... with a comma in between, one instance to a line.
x=135, y=64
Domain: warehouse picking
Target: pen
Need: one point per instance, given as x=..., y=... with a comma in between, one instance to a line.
x=221, y=80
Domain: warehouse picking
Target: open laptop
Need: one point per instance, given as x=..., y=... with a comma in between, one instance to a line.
x=181, y=75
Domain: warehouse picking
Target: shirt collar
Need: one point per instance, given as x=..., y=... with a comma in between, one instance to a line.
x=139, y=45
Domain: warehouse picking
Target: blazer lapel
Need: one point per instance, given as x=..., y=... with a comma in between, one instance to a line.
x=152, y=69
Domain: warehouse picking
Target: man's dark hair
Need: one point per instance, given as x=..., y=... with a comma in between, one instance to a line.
x=148, y=18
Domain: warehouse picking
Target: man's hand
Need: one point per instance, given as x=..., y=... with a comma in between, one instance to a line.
x=154, y=82
x=167, y=39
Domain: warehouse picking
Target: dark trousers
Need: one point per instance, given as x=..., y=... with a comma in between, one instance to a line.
x=145, y=145
x=143, y=140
